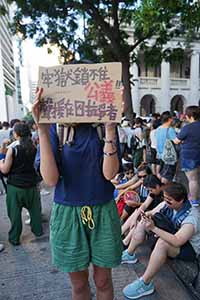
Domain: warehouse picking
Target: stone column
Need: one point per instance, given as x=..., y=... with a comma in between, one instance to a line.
x=164, y=101
x=194, y=79
x=135, y=88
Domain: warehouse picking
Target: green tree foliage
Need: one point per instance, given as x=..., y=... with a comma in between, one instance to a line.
x=110, y=30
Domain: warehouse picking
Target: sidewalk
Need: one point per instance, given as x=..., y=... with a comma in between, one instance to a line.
x=26, y=272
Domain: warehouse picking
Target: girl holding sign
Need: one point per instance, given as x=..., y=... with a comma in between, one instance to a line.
x=84, y=225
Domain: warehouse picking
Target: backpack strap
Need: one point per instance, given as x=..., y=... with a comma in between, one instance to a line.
x=100, y=130
x=65, y=134
x=14, y=151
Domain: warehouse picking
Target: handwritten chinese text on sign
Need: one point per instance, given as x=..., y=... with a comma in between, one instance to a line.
x=81, y=93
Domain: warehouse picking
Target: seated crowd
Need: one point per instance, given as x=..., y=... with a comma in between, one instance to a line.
x=150, y=200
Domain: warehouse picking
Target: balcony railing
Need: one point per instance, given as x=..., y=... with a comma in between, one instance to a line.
x=155, y=82
x=180, y=82
x=146, y=82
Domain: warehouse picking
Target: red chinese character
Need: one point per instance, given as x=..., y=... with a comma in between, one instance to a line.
x=93, y=91
x=106, y=94
x=102, y=93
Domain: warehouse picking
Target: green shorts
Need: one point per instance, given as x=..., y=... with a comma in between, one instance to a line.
x=74, y=244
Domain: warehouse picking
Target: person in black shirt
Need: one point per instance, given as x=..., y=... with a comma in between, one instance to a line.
x=155, y=197
x=22, y=183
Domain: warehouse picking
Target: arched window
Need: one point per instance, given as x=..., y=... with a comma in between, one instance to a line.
x=147, y=105
x=177, y=103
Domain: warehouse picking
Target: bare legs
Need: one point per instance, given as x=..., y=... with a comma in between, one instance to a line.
x=158, y=257
x=135, y=237
x=103, y=281
x=192, y=177
x=80, y=285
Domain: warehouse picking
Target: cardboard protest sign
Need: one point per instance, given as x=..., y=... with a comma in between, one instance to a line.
x=81, y=93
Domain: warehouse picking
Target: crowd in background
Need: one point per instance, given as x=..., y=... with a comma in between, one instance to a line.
x=156, y=154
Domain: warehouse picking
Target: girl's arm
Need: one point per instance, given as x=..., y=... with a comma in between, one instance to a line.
x=156, y=209
x=131, y=187
x=146, y=204
x=6, y=164
x=128, y=183
x=178, y=239
x=177, y=141
x=111, y=160
x=48, y=166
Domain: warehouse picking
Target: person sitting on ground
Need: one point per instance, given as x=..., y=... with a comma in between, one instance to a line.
x=22, y=180
x=179, y=237
x=155, y=196
x=123, y=177
x=139, y=188
x=130, y=184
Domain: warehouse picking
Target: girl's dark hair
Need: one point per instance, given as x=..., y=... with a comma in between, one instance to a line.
x=5, y=124
x=166, y=115
x=144, y=167
x=138, y=120
x=120, y=176
x=127, y=167
x=151, y=181
x=193, y=111
x=176, y=190
x=23, y=131
x=176, y=123
x=155, y=125
x=13, y=122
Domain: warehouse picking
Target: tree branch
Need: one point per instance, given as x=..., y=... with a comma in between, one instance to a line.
x=105, y=26
x=115, y=6
x=137, y=43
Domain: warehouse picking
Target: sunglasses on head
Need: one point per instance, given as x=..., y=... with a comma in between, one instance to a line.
x=142, y=176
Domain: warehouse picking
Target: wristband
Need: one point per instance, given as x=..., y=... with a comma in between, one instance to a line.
x=109, y=153
x=113, y=143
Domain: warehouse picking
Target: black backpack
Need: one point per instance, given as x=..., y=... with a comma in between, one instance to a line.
x=134, y=142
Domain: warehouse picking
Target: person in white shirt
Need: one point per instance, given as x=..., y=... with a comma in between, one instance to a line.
x=4, y=132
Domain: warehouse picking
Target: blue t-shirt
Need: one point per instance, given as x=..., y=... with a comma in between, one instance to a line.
x=190, y=135
x=2, y=156
x=162, y=134
x=116, y=192
x=81, y=181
